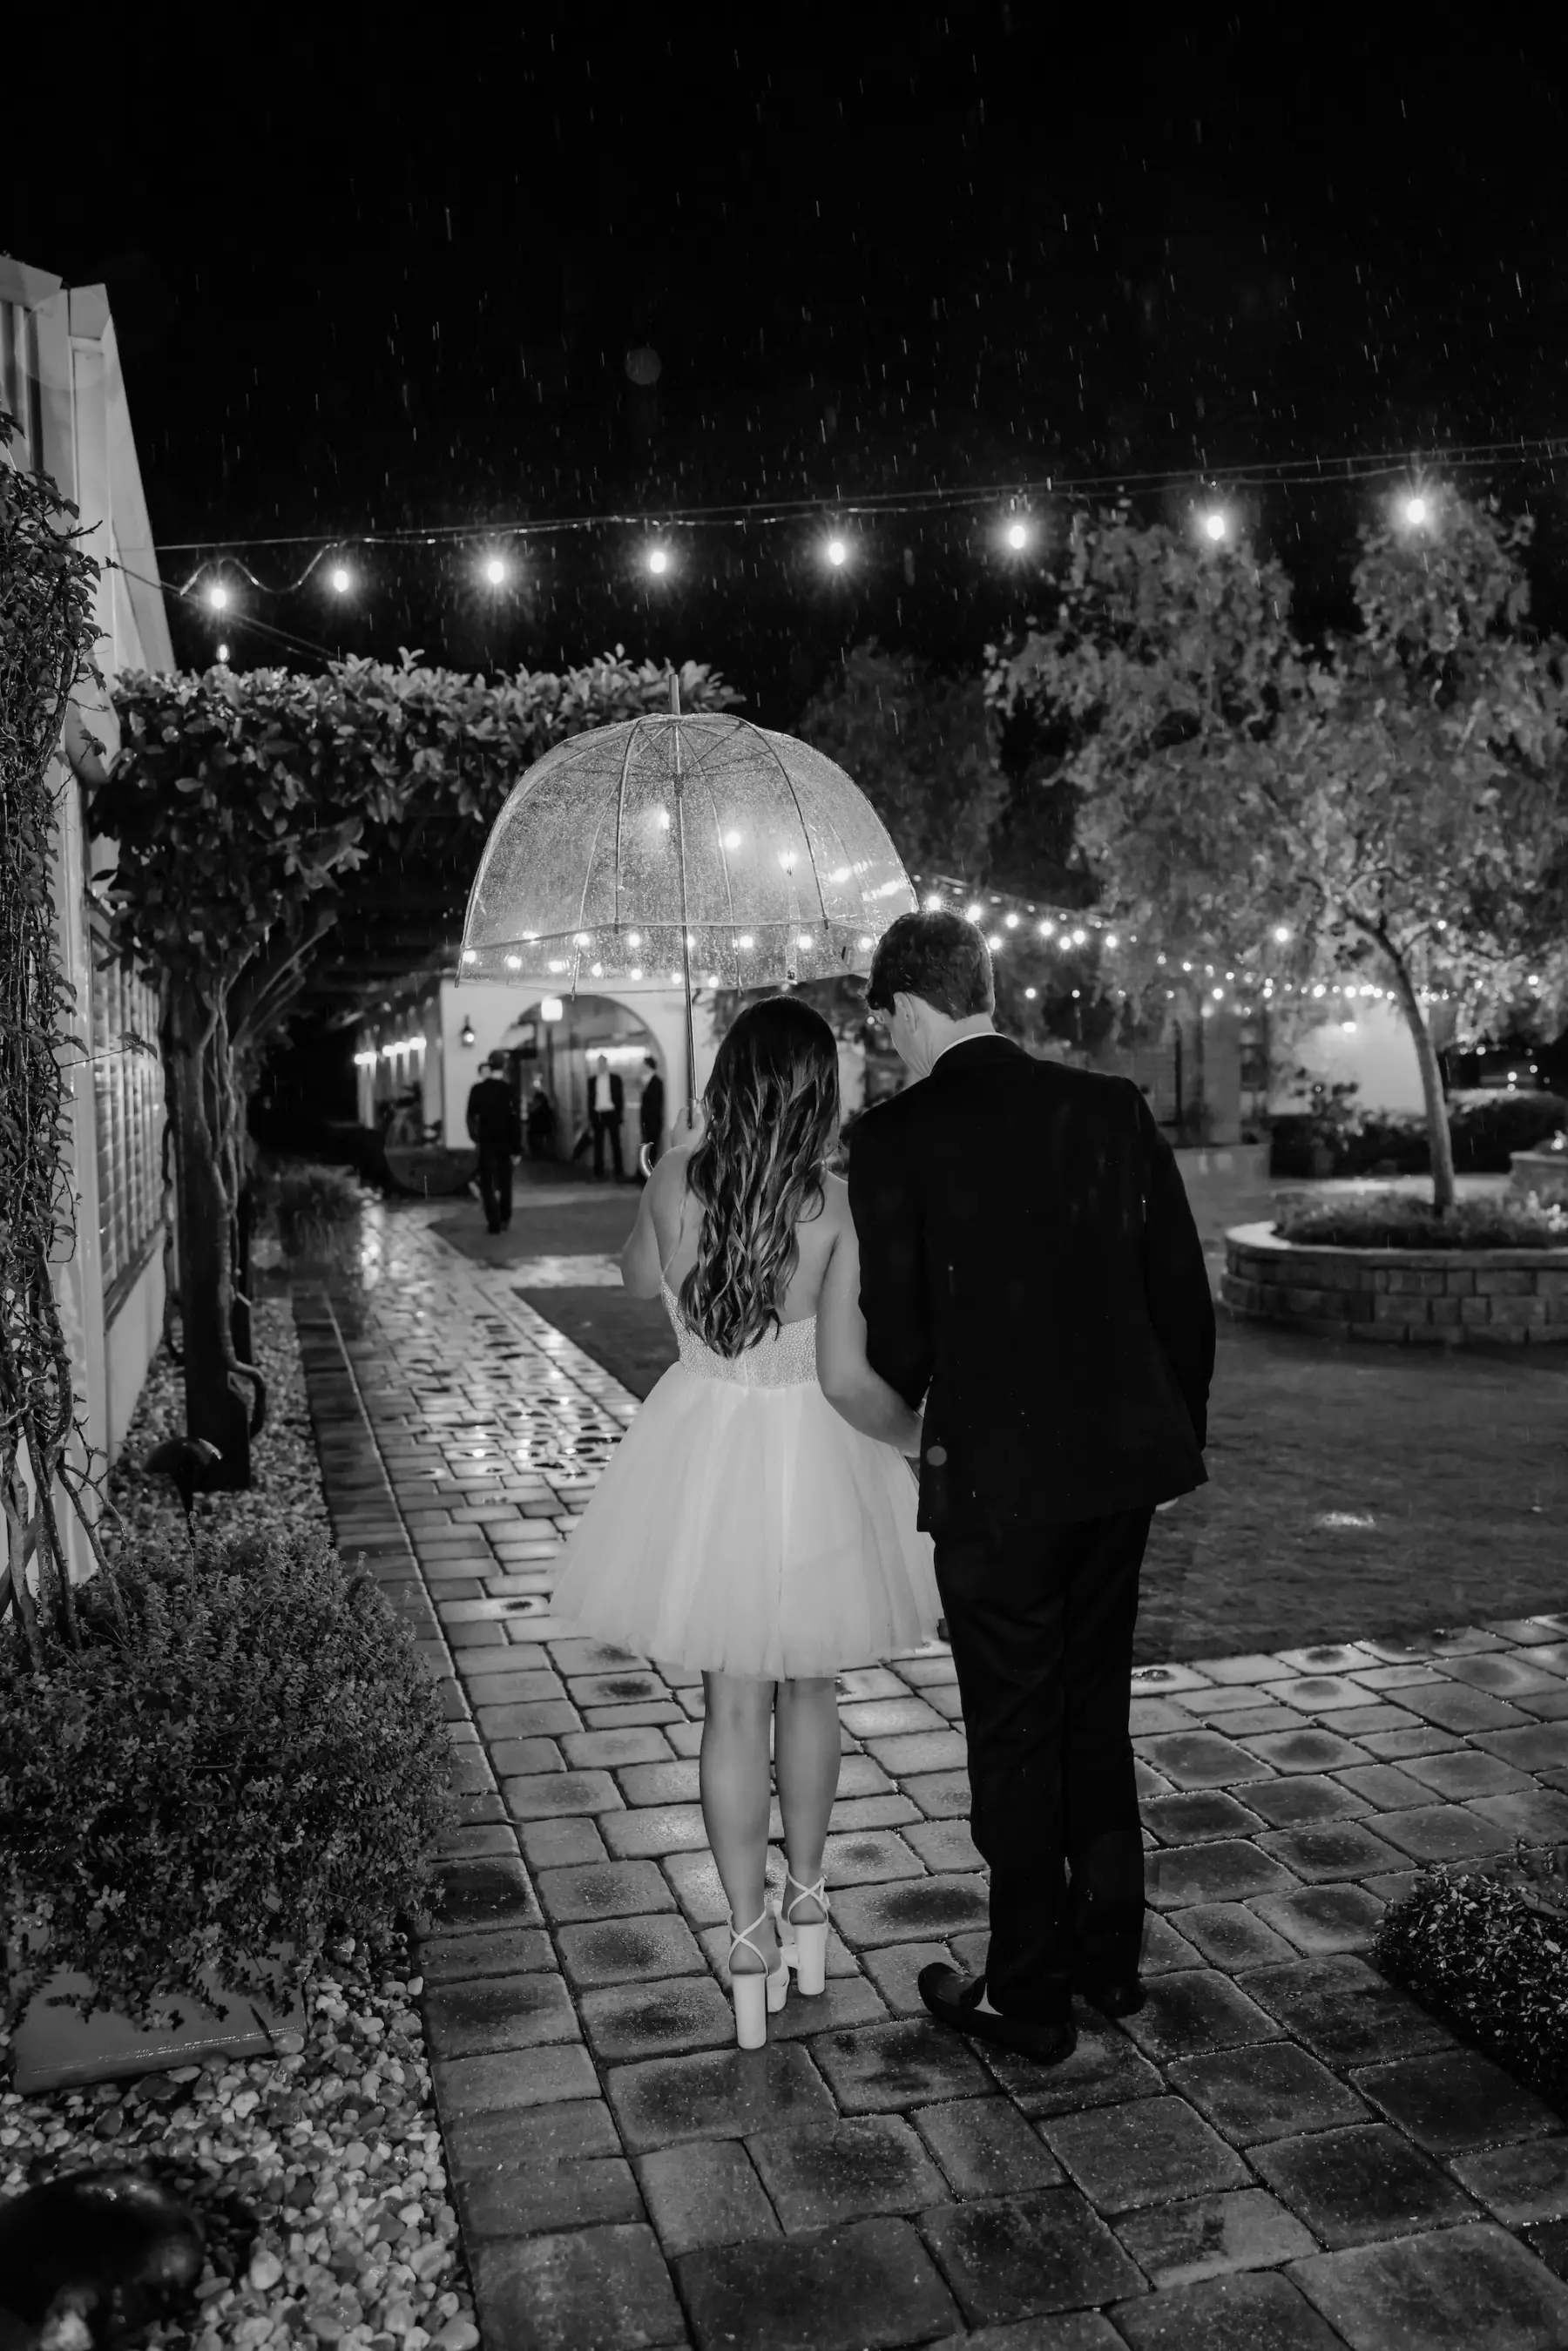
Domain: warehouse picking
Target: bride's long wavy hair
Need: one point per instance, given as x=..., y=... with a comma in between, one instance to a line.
x=772, y=1106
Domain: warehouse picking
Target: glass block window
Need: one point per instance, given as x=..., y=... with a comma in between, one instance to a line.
x=128, y=1090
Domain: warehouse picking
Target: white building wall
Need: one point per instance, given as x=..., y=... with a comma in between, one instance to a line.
x=85, y=442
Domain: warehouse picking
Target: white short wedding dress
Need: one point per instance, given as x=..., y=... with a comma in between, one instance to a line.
x=742, y=1527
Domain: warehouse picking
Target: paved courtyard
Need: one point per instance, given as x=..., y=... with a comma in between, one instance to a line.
x=1280, y=2150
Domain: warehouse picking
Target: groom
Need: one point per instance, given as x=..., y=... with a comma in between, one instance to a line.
x=1029, y=1266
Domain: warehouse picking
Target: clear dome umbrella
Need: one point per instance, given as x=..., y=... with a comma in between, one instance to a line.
x=677, y=844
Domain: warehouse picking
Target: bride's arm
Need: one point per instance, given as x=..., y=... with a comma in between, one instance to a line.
x=641, y=1262
x=855, y=1392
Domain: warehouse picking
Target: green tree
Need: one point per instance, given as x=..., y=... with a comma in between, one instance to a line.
x=242, y=806
x=1393, y=805
x=918, y=745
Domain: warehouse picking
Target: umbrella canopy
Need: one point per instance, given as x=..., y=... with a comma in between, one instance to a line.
x=698, y=850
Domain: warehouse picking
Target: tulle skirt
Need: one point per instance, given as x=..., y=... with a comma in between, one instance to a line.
x=751, y=1531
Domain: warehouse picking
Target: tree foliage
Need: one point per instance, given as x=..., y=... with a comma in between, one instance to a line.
x=1393, y=804
x=242, y=806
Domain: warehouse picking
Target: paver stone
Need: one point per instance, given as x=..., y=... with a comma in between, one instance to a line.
x=1149, y=2152
x=1248, y=2311
x=863, y=2288
x=1208, y=2236
x=1258, y=2093
x=827, y=2174
x=1016, y=2257
x=1446, y=2291
x=1352, y=2186
x=606, y=2285
x=705, y=2194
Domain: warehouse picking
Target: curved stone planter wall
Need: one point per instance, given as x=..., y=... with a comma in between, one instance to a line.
x=1455, y=1298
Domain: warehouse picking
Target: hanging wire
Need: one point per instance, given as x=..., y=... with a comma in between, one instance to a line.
x=1285, y=472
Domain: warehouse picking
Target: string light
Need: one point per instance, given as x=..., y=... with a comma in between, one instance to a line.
x=837, y=553
x=658, y=561
x=218, y=597
x=223, y=652
x=342, y=578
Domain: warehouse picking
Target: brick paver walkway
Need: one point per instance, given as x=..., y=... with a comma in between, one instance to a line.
x=1280, y=2150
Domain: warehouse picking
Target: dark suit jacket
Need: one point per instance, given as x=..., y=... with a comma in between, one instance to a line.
x=617, y=1091
x=652, y=1108
x=493, y=1116
x=1027, y=1254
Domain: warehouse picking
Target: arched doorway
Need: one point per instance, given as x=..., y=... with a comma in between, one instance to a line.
x=561, y=1057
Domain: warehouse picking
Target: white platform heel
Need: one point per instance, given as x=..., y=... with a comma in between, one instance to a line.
x=756, y=1997
x=802, y=1943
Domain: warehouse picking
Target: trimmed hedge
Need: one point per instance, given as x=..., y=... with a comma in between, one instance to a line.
x=1488, y=1950
x=256, y=1757
x=1486, y=1127
x=1388, y=1221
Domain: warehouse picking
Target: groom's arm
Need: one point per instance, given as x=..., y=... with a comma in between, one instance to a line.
x=886, y=1213
x=1175, y=1278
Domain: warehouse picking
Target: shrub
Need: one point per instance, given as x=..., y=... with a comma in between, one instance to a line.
x=256, y=1757
x=1487, y=1950
x=1488, y=1126
x=1384, y=1220
x=310, y=1206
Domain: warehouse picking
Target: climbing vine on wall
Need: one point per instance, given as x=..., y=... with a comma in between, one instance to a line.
x=47, y=632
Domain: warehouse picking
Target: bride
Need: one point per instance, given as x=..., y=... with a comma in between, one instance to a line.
x=756, y=1522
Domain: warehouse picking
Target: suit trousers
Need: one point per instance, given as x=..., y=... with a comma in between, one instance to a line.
x=495, y=1183
x=607, y=1123
x=1040, y=1620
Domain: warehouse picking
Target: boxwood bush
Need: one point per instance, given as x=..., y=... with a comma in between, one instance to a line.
x=257, y=1758
x=1486, y=1125
x=1390, y=1220
x=1487, y=1949
x=310, y=1207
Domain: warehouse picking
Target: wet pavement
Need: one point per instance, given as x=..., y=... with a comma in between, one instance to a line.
x=1280, y=2149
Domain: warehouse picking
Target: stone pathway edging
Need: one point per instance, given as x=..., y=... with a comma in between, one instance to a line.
x=1280, y=2148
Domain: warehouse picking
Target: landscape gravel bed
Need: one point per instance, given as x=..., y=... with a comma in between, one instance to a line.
x=286, y=1488
x=317, y=2172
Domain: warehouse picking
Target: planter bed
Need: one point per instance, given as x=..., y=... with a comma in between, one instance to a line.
x=315, y=2166
x=1455, y=1298
x=1482, y=1945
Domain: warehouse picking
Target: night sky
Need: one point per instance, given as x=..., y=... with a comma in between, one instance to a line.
x=375, y=279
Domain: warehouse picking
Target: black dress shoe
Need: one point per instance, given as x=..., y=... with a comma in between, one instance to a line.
x=954, y=2000
x=1122, y=1996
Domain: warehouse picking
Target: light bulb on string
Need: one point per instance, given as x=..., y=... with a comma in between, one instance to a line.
x=495, y=572
x=1214, y=523
x=658, y=560
x=218, y=597
x=342, y=578
x=1016, y=536
x=223, y=652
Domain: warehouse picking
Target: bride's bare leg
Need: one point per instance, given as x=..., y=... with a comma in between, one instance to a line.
x=736, y=1794
x=806, y=1763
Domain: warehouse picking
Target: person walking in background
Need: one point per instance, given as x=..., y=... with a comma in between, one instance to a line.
x=606, y=1107
x=541, y=1122
x=493, y=1125
x=1031, y=1269
x=651, y=1116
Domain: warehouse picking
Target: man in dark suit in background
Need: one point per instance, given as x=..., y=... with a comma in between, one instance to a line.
x=1029, y=1266
x=494, y=1126
x=606, y=1107
x=650, y=1111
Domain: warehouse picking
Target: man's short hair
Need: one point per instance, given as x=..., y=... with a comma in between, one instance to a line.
x=497, y=1060
x=941, y=959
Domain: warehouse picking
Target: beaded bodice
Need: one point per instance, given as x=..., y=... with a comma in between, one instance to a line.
x=785, y=1358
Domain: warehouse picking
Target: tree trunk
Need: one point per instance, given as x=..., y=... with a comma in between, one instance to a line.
x=1440, y=1141
x=215, y=1408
